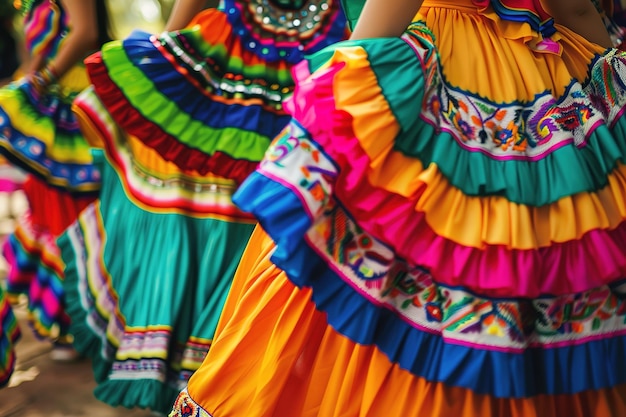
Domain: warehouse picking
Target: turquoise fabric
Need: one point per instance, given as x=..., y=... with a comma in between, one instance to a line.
x=169, y=271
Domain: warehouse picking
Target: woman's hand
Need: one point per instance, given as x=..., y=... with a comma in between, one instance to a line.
x=42, y=80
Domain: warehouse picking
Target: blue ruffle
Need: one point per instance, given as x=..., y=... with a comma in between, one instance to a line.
x=189, y=99
x=29, y=153
x=563, y=370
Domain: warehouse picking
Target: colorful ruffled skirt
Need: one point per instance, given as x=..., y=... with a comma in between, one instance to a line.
x=41, y=135
x=148, y=266
x=209, y=97
x=439, y=243
x=9, y=335
x=183, y=118
x=145, y=284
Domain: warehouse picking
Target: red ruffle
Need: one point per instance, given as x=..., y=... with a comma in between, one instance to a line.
x=50, y=208
x=133, y=122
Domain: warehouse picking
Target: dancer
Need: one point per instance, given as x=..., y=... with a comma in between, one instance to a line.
x=447, y=208
x=39, y=133
x=148, y=266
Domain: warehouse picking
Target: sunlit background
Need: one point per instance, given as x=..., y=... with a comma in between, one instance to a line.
x=148, y=15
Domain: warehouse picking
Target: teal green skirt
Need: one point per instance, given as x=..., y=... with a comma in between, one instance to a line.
x=144, y=290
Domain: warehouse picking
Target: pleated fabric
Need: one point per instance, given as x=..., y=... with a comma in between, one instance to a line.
x=209, y=97
x=147, y=267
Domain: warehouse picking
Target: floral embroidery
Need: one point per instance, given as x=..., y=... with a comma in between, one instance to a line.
x=314, y=173
x=373, y=270
x=519, y=129
x=456, y=312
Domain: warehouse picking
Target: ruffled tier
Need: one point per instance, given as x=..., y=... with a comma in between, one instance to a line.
x=424, y=230
x=580, y=251
x=40, y=134
x=52, y=210
x=145, y=344
x=427, y=122
x=520, y=345
x=197, y=96
x=34, y=265
x=9, y=335
x=406, y=197
x=149, y=181
x=280, y=30
x=305, y=368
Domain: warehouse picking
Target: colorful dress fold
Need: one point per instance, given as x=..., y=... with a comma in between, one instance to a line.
x=148, y=266
x=444, y=227
x=40, y=134
x=132, y=265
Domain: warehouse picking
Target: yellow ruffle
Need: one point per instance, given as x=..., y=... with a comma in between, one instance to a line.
x=473, y=221
x=469, y=221
x=480, y=221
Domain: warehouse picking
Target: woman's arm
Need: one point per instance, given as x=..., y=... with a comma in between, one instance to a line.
x=385, y=18
x=82, y=37
x=183, y=12
x=582, y=17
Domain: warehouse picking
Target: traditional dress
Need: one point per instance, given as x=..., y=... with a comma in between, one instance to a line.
x=40, y=134
x=445, y=231
x=182, y=119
